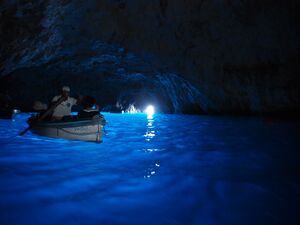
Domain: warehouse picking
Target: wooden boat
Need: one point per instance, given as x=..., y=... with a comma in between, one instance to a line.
x=83, y=130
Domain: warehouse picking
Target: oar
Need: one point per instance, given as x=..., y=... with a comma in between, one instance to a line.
x=43, y=116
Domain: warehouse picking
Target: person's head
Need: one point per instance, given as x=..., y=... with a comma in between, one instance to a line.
x=65, y=91
x=39, y=106
x=88, y=102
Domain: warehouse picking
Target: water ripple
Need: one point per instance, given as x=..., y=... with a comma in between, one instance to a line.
x=168, y=169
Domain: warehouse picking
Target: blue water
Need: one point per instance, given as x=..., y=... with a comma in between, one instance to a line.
x=171, y=169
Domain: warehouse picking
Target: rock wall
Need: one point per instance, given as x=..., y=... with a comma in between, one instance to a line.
x=196, y=56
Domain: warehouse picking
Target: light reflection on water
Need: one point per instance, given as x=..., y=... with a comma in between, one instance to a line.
x=167, y=169
x=150, y=133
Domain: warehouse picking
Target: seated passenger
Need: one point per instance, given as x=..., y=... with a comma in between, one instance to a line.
x=40, y=108
x=90, y=109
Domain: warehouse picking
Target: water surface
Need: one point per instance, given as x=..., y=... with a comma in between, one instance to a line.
x=169, y=169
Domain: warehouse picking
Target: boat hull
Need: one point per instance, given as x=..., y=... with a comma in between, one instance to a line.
x=87, y=130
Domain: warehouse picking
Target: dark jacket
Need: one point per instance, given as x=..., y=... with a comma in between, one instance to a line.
x=88, y=114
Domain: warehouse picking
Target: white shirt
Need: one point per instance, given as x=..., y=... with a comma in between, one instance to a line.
x=64, y=108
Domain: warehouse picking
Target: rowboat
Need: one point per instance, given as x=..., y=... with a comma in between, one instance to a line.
x=83, y=130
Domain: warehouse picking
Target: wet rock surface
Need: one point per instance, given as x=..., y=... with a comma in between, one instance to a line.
x=185, y=57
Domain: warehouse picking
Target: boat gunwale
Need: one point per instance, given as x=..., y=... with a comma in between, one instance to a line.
x=67, y=123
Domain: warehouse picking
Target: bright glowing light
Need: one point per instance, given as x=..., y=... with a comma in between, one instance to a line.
x=16, y=111
x=149, y=110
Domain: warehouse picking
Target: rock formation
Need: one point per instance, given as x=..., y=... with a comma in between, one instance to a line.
x=196, y=56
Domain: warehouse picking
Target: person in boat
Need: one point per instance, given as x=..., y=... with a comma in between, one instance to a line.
x=40, y=108
x=63, y=110
x=90, y=109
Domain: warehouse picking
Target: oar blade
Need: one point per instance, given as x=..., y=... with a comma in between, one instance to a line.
x=24, y=131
